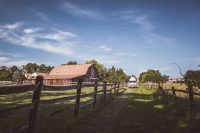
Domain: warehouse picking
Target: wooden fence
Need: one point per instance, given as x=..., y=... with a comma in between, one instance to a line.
x=37, y=88
x=188, y=94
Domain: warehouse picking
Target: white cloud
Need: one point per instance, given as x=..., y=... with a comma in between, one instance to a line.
x=41, y=15
x=54, y=41
x=10, y=54
x=105, y=48
x=126, y=54
x=4, y=59
x=11, y=26
x=31, y=30
x=59, y=35
x=102, y=46
x=142, y=20
x=7, y=61
x=75, y=10
x=17, y=63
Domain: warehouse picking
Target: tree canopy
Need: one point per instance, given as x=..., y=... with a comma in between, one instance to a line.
x=15, y=73
x=192, y=78
x=153, y=76
x=109, y=74
x=71, y=62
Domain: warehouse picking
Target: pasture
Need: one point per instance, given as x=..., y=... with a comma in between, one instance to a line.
x=137, y=110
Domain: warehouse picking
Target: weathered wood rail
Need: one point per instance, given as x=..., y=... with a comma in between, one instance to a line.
x=108, y=88
x=188, y=93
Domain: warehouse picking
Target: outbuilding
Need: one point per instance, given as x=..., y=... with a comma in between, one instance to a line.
x=66, y=74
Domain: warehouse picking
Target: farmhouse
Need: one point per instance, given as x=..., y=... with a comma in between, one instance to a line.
x=65, y=74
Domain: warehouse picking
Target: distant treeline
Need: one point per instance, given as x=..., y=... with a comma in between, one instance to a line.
x=15, y=73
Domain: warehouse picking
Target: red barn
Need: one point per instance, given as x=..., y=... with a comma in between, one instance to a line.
x=65, y=74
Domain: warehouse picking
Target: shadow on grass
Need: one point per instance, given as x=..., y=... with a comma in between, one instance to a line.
x=155, y=113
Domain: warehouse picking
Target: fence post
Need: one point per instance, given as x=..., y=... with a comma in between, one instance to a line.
x=115, y=87
x=111, y=89
x=104, y=91
x=173, y=92
x=118, y=86
x=78, y=95
x=191, y=96
x=35, y=102
x=95, y=94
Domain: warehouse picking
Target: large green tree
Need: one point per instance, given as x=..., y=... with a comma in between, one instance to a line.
x=5, y=73
x=153, y=76
x=192, y=78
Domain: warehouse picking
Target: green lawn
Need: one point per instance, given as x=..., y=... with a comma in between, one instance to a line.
x=137, y=110
x=18, y=99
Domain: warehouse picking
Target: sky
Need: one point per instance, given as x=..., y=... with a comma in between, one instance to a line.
x=135, y=35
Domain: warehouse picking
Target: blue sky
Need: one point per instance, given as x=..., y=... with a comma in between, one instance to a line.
x=135, y=35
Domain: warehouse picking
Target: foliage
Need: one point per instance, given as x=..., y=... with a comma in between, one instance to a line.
x=192, y=78
x=153, y=76
x=5, y=74
x=71, y=63
x=18, y=76
x=109, y=74
x=15, y=73
x=33, y=67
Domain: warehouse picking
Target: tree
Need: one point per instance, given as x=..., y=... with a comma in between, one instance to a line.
x=71, y=62
x=111, y=74
x=18, y=76
x=153, y=76
x=5, y=73
x=5, y=76
x=45, y=69
x=192, y=78
x=31, y=67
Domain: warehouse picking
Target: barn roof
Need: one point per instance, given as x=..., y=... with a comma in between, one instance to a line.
x=70, y=71
x=62, y=76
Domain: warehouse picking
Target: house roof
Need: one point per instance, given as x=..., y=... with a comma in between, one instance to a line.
x=69, y=71
x=35, y=74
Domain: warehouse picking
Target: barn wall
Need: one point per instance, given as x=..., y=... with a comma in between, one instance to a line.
x=89, y=74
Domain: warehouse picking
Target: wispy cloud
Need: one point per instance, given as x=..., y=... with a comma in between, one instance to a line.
x=54, y=41
x=41, y=15
x=4, y=59
x=31, y=30
x=7, y=54
x=12, y=26
x=8, y=61
x=134, y=17
x=105, y=48
x=76, y=10
x=127, y=54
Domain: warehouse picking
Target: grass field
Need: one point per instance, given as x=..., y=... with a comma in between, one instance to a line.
x=19, y=99
x=175, y=85
x=139, y=110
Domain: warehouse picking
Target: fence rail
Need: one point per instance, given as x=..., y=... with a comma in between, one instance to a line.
x=37, y=88
x=193, y=97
